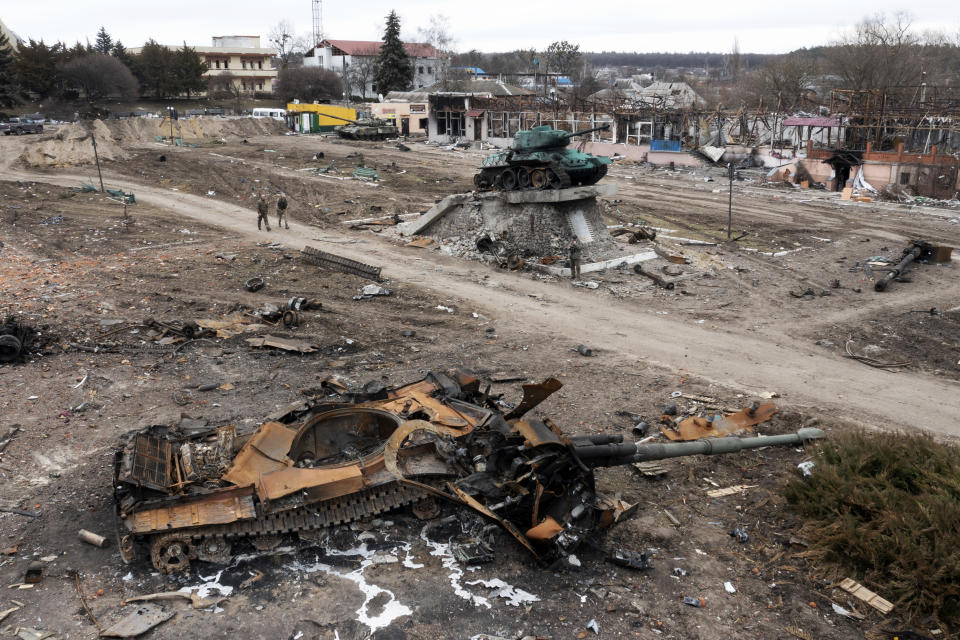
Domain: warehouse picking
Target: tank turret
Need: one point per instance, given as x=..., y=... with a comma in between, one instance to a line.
x=539, y=159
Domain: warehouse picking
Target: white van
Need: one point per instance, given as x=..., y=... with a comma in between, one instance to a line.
x=276, y=114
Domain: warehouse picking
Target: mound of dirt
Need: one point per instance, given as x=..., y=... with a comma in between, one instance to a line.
x=193, y=129
x=71, y=145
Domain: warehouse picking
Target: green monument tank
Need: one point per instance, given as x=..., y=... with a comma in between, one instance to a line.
x=539, y=159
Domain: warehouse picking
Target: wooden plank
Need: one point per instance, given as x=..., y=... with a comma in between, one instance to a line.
x=857, y=590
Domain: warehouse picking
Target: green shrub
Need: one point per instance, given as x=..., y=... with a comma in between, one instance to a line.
x=886, y=508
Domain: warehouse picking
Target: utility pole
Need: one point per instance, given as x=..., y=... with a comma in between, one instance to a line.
x=96, y=157
x=730, y=202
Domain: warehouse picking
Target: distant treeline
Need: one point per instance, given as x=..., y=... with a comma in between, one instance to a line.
x=690, y=60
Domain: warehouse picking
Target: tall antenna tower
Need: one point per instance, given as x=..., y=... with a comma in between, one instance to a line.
x=317, y=22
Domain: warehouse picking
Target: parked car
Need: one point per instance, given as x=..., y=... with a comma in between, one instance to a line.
x=19, y=126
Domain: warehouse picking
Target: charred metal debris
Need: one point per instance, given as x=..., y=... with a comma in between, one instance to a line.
x=352, y=455
x=16, y=340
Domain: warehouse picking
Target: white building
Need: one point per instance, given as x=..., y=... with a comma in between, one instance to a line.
x=239, y=60
x=353, y=59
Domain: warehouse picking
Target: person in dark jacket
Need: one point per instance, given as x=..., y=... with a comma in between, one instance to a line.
x=282, y=211
x=576, y=254
x=262, y=209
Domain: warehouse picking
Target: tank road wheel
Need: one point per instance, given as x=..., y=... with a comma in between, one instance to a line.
x=553, y=180
x=508, y=178
x=170, y=553
x=523, y=178
x=266, y=543
x=213, y=549
x=538, y=179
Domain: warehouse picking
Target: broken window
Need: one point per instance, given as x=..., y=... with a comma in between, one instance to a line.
x=260, y=86
x=260, y=64
x=243, y=63
x=904, y=177
x=420, y=70
x=450, y=123
x=430, y=70
x=226, y=64
x=218, y=64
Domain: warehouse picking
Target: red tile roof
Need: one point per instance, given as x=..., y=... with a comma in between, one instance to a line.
x=372, y=47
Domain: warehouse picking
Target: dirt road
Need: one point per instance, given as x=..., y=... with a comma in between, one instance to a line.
x=769, y=360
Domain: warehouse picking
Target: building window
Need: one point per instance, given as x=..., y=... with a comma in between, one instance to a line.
x=420, y=70
x=260, y=86
x=450, y=123
x=243, y=63
x=260, y=64
x=209, y=64
x=244, y=85
x=218, y=64
x=226, y=64
x=430, y=70
x=904, y=177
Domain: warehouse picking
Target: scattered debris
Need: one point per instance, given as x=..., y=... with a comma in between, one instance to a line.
x=857, y=590
x=630, y=559
x=254, y=284
x=196, y=601
x=694, y=602
x=298, y=346
x=872, y=361
x=729, y=491
x=92, y=538
x=740, y=535
x=372, y=290
x=715, y=425
x=806, y=467
x=142, y=619
x=339, y=263
x=916, y=251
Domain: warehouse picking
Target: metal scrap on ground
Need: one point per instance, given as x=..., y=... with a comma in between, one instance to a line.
x=339, y=263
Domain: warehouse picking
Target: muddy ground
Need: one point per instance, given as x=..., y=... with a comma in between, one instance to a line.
x=89, y=279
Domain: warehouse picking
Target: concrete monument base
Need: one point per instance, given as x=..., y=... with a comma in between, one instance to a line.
x=532, y=223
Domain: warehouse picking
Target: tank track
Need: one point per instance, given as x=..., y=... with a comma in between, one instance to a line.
x=302, y=519
x=492, y=177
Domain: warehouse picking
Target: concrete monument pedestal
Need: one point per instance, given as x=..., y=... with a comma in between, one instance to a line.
x=532, y=222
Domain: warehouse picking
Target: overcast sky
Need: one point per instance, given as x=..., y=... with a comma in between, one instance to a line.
x=492, y=25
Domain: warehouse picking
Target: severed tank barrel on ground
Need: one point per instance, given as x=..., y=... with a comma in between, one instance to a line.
x=917, y=251
x=613, y=454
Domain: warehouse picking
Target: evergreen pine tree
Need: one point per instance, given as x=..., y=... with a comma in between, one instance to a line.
x=37, y=67
x=104, y=43
x=9, y=90
x=394, y=69
x=189, y=69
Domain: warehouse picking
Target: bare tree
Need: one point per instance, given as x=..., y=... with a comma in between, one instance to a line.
x=289, y=46
x=98, y=76
x=786, y=79
x=360, y=71
x=225, y=85
x=878, y=54
x=438, y=34
x=308, y=84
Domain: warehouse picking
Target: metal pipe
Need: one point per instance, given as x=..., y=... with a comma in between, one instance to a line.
x=909, y=255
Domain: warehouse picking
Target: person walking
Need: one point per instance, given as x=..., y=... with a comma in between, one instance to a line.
x=282, y=211
x=576, y=254
x=262, y=209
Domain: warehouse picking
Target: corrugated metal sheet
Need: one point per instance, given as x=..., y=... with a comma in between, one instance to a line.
x=795, y=121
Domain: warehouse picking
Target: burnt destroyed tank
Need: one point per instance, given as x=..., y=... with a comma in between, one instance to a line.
x=366, y=128
x=539, y=159
x=187, y=496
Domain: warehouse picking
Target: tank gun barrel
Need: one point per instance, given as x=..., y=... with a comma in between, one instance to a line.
x=614, y=454
x=602, y=127
x=330, y=115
